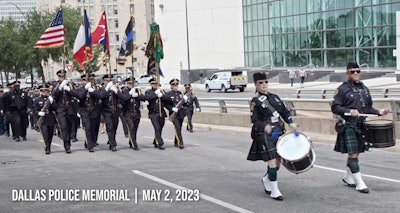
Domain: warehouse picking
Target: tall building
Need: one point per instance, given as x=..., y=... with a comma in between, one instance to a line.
x=322, y=33
x=17, y=9
x=118, y=15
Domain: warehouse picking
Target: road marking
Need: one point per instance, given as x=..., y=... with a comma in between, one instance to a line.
x=203, y=196
x=370, y=176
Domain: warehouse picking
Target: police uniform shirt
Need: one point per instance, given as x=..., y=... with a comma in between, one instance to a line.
x=153, y=102
x=173, y=98
x=49, y=118
x=129, y=103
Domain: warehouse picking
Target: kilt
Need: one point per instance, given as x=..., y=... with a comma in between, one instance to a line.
x=263, y=148
x=351, y=140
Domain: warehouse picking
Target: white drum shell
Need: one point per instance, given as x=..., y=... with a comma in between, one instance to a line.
x=293, y=147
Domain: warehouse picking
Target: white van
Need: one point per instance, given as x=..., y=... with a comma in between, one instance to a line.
x=227, y=80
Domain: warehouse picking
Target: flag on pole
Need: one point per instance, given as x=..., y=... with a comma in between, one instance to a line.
x=121, y=55
x=129, y=36
x=83, y=43
x=100, y=35
x=151, y=67
x=155, y=46
x=53, y=36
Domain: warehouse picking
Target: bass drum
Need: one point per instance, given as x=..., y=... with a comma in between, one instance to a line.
x=296, y=152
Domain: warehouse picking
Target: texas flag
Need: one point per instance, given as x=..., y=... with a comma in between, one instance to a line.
x=100, y=34
x=83, y=43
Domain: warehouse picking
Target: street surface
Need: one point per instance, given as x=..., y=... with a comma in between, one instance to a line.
x=210, y=175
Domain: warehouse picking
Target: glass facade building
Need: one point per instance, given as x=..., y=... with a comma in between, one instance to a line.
x=323, y=33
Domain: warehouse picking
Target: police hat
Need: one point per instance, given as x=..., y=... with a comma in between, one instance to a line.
x=130, y=79
x=61, y=73
x=108, y=77
x=87, y=75
x=153, y=81
x=187, y=85
x=174, y=81
x=352, y=65
x=259, y=76
x=43, y=87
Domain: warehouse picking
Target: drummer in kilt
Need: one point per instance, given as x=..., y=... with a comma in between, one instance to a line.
x=267, y=112
x=352, y=98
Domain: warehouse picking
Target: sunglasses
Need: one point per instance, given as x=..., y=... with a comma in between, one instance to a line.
x=355, y=71
x=174, y=84
x=262, y=82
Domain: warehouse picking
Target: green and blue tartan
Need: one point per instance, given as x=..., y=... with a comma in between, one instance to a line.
x=351, y=140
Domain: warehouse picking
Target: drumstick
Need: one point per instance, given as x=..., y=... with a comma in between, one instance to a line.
x=365, y=115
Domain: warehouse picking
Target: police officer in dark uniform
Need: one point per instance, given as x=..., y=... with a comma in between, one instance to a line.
x=5, y=111
x=157, y=113
x=110, y=110
x=19, y=105
x=173, y=97
x=2, y=117
x=130, y=99
x=189, y=106
x=268, y=112
x=34, y=93
x=89, y=108
x=351, y=99
x=49, y=120
x=63, y=101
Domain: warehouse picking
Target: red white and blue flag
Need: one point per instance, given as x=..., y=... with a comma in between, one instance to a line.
x=53, y=36
x=83, y=43
x=100, y=34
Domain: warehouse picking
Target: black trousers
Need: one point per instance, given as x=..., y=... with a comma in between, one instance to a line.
x=158, y=124
x=189, y=115
x=178, y=131
x=19, y=123
x=111, y=122
x=133, y=125
x=47, y=134
x=65, y=122
x=75, y=125
x=124, y=124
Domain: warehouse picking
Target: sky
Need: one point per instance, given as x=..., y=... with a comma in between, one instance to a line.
x=215, y=34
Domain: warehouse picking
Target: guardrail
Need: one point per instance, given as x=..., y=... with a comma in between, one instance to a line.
x=295, y=105
x=328, y=93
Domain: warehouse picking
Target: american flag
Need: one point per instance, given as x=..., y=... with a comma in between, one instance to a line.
x=54, y=35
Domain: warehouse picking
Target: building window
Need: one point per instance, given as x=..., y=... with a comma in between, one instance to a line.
x=116, y=36
x=116, y=23
x=132, y=8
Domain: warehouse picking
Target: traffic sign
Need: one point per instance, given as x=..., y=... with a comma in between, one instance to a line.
x=69, y=67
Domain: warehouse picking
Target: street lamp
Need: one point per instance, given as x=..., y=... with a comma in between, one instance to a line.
x=187, y=41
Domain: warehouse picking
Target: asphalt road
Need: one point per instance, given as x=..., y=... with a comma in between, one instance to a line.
x=210, y=175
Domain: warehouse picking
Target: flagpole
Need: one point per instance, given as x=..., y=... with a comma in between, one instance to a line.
x=156, y=67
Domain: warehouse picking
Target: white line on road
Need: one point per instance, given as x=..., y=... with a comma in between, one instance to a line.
x=203, y=196
x=370, y=176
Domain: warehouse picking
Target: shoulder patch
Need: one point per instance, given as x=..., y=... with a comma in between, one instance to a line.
x=252, y=105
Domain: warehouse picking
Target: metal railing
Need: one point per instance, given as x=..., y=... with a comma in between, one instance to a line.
x=242, y=105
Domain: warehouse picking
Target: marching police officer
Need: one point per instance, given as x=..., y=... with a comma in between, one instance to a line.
x=65, y=112
x=189, y=105
x=351, y=99
x=110, y=110
x=18, y=106
x=157, y=113
x=130, y=99
x=174, y=98
x=49, y=119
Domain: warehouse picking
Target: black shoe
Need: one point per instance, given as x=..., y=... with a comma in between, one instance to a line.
x=190, y=130
x=85, y=145
x=24, y=138
x=366, y=190
x=74, y=140
x=68, y=151
x=17, y=140
x=348, y=184
x=114, y=149
x=161, y=147
x=97, y=144
x=14, y=137
x=136, y=148
x=155, y=146
x=181, y=147
x=47, y=151
x=280, y=198
x=91, y=150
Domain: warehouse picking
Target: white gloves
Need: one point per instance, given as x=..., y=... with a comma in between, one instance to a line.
x=88, y=85
x=293, y=126
x=383, y=112
x=158, y=93
x=90, y=89
x=41, y=113
x=109, y=85
x=66, y=88
x=79, y=115
x=197, y=109
x=174, y=109
x=185, y=98
x=63, y=84
x=51, y=99
x=133, y=93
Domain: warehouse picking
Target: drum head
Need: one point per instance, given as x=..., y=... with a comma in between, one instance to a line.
x=379, y=122
x=293, y=147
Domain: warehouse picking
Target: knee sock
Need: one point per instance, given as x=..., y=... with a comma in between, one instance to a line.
x=272, y=174
x=352, y=163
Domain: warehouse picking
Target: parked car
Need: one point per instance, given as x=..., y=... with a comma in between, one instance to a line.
x=143, y=79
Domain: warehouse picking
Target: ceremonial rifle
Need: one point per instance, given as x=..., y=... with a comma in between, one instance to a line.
x=180, y=105
x=45, y=107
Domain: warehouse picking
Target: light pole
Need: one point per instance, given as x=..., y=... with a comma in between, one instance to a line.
x=187, y=41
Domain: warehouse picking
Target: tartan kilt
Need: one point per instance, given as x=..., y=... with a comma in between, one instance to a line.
x=351, y=140
x=263, y=148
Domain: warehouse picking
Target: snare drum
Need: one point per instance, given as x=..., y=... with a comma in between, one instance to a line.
x=296, y=152
x=379, y=133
